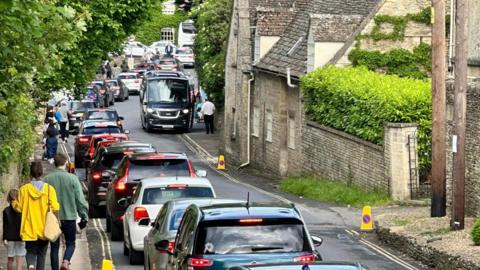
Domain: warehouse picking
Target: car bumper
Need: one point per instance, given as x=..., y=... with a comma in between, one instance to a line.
x=160, y=123
x=100, y=194
x=137, y=234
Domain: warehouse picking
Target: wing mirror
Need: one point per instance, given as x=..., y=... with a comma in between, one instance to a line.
x=317, y=241
x=162, y=247
x=126, y=131
x=121, y=118
x=144, y=222
x=124, y=202
x=201, y=173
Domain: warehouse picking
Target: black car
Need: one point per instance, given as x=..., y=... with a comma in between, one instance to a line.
x=110, y=115
x=166, y=103
x=119, y=93
x=128, y=174
x=105, y=92
x=102, y=167
x=221, y=236
x=77, y=111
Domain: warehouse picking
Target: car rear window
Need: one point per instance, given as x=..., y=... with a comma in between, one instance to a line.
x=233, y=237
x=81, y=106
x=112, y=83
x=101, y=130
x=140, y=169
x=161, y=195
x=128, y=77
x=107, y=116
x=175, y=219
x=167, y=63
x=111, y=160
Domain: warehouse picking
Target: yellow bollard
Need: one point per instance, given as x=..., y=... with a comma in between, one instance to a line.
x=367, y=219
x=221, y=163
x=107, y=265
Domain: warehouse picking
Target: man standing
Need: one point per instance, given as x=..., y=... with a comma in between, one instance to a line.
x=169, y=50
x=63, y=110
x=208, y=109
x=72, y=202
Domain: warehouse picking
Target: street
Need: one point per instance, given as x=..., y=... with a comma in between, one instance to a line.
x=333, y=224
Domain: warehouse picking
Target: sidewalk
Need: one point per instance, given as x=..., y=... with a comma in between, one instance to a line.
x=81, y=258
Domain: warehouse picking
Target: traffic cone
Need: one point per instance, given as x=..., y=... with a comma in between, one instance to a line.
x=107, y=265
x=71, y=167
x=367, y=219
x=221, y=163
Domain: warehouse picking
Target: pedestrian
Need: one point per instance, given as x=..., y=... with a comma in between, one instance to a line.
x=51, y=141
x=124, y=66
x=207, y=111
x=11, y=233
x=64, y=114
x=169, y=50
x=34, y=201
x=49, y=114
x=72, y=203
x=116, y=70
x=109, y=70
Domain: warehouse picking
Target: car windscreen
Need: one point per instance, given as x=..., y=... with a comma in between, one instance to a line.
x=101, y=130
x=127, y=77
x=168, y=91
x=111, y=161
x=81, y=106
x=235, y=237
x=98, y=115
x=140, y=169
x=160, y=195
x=188, y=28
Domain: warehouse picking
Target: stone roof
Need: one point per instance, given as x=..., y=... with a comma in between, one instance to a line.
x=273, y=22
x=329, y=21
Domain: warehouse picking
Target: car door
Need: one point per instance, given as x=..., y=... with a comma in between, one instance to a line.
x=156, y=234
x=179, y=259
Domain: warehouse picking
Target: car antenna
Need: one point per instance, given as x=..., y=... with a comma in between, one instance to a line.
x=248, y=200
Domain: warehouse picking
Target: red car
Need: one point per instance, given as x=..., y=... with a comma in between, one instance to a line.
x=98, y=141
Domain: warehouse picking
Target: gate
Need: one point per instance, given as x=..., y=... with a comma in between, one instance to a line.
x=418, y=189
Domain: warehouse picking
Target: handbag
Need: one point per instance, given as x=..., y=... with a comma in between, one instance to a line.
x=52, y=229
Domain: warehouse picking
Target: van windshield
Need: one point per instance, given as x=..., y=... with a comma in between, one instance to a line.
x=168, y=91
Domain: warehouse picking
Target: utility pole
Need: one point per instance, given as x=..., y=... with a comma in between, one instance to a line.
x=439, y=201
x=461, y=51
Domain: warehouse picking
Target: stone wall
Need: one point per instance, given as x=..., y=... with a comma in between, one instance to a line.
x=472, y=158
x=8, y=181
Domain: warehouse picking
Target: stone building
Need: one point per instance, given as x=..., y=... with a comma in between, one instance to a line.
x=271, y=45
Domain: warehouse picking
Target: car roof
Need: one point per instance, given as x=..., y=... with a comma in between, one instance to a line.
x=172, y=180
x=297, y=266
x=252, y=210
x=101, y=110
x=127, y=73
x=135, y=148
x=162, y=155
x=130, y=144
x=185, y=202
x=97, y=136
x=170, y=77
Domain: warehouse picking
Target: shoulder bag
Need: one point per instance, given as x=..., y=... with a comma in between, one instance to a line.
x=52, y=229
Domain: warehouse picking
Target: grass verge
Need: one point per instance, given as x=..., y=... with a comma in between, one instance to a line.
x=330, y=191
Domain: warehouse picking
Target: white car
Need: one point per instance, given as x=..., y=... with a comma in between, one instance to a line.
x=160, y=46
x=185, y=56
x=131, y=81
x=149, y=197
x=135, y=49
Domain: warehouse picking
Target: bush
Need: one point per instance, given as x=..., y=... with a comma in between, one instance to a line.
x=359, y=102
x=476, y=233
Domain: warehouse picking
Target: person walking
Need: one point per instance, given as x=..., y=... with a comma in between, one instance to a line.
x=169, y=50
x=109, y=70
x=11, y=233
x=72, y=203
x=51, y=141
x=124, y=66
x=34, y=201
x=64, y=112
x=207, y=111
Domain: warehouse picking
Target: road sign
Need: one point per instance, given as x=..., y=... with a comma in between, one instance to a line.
x=367, y=220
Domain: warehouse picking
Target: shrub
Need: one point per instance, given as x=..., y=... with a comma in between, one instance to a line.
x=476, y=233
x=359, y=102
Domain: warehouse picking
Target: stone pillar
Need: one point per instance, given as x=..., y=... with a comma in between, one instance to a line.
x=400, y=158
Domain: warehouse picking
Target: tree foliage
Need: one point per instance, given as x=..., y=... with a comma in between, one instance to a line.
x=212, y=20
x=359, y=102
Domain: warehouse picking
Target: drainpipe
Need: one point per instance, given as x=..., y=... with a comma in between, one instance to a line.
x=248, y=121
x=289, y=79
x=452, y=36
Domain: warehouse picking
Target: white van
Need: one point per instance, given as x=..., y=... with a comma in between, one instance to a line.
x=186, y=34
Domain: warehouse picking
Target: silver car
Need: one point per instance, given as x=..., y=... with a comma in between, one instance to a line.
x=165, y=226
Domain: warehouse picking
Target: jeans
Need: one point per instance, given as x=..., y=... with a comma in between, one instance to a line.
x=69, y=230
x=36, y=253
x=52, y=144
x=63, y=130
x=208, y=123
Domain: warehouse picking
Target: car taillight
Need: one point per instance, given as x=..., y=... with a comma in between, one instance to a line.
x=137, y=81
x=96, y=176
x=171, y=246
x=196, y=262
x=121, y=184
x=83, y=139
x=305, y=259
x=140, y=213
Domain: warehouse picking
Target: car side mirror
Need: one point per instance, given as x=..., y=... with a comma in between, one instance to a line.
x=201, y=173
x=121, y=118
x=162, y=247
x=317, y=241
x=144, y=222
x=126, y=131
x=124, y=202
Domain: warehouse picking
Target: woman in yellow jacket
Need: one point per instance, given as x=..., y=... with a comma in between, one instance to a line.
x=33, y=203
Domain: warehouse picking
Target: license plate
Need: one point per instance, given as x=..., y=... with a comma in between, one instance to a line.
x=167, y=126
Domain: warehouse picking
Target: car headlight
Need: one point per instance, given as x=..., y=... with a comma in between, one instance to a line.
x=185, y=111
x=149, y=110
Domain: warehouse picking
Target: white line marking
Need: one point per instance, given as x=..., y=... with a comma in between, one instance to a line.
x=101, y=236
x=108, y=245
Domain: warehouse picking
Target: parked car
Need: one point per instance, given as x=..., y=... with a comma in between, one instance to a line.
x=87, y=129
x=147, y=201
x=110, y=115
x=130, y=81
x=131, y=170
x=185, y=56
x=169, y=64
x=104, y=92
x=102, y=168
x=95, y=142
x=165, y=225
x=309, y=266
x=120, y=94
x=219, y=237
x=160, y=46
x=93, y=94
x=77, y=110
x=134, y=49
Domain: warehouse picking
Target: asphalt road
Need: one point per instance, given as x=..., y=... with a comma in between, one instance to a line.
x=340, y=243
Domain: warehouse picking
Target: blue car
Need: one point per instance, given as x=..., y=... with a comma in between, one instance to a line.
x=221, y=236
x=310, y=266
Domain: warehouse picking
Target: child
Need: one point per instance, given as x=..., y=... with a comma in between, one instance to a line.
x=11, y=233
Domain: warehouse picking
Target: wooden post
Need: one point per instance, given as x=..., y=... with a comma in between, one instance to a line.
x=460, y=103
x=439, y=201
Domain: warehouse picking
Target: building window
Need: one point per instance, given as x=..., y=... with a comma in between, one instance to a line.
x=167, y=34
x=256, y=121
x=291, y=131
x=168, y=7
x=269, y=124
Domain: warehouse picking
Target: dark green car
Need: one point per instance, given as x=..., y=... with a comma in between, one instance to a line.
x=311, y=266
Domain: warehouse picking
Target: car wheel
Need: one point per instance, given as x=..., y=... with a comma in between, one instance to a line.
x=116, y=233
x=112, y=102
x=127, y=96
x=134, y=257
x=125, y=249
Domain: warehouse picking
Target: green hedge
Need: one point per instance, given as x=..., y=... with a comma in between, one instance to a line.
x=359, y=102
x=475, y=233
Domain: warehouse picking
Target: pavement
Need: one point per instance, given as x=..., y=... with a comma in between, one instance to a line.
x=81, y=258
